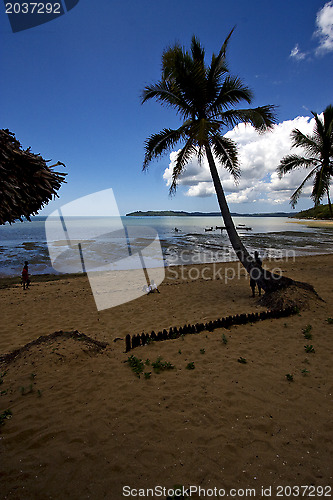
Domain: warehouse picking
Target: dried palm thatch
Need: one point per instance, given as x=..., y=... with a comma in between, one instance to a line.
x=27, y=183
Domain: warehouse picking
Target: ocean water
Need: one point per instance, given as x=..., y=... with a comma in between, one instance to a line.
x=103, y=240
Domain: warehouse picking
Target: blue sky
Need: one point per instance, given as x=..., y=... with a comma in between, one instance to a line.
x=71, y=88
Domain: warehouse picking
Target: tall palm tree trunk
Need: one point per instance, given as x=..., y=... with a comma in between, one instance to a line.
x=237, y=244
x=329, y=201
x=264, y=278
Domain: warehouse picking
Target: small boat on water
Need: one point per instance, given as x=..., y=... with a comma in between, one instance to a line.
x=208, y=229
x=242, y=227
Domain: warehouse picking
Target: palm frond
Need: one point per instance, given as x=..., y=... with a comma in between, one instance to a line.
x=183, y=157
x=306, y=141
x=320, y=186
x=169, y=57
x=295, y=196
x=217, y=69
x=186, y=74
x=201, y=130
x=162, y=142
x=319, y=130
x=225, y=151
x=167, y=94
x=328, y=121
x=27, y=183
x=197, y=51
x=292, y=162
x=230, y=93
x=261, y=118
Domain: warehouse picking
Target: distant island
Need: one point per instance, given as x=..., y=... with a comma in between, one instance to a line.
x=173, y=213
x=320, y=212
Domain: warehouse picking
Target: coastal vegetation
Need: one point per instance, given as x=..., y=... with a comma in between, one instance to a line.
x=318, y=148
x=27, y=183
x=317, y=212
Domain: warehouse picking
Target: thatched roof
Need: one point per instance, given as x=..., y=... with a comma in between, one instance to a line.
x=27, y=183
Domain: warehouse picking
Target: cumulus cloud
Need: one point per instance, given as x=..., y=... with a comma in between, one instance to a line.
x=259, y=155
x=324, y=31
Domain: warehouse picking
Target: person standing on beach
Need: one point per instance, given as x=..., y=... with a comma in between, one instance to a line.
x=253, y=279
x=25, y=276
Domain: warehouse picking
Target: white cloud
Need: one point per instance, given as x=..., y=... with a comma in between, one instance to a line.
x=297, y=54
x=324, y=22
x=259, y=156
x=324, y=31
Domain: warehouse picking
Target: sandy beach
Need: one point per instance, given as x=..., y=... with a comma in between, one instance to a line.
x=312, y=222
x=84, y=425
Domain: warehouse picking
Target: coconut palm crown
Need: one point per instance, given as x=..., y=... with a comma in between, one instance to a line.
x=318, y=148
x=206, y=99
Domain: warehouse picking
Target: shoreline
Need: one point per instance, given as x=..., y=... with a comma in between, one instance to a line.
x=7, y=281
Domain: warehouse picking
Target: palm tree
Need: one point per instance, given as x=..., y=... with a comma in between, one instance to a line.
x=27, y=183
x=318, y=157
x=205, y=98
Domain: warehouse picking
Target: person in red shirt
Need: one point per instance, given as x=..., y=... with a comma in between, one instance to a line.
x=25, y=276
